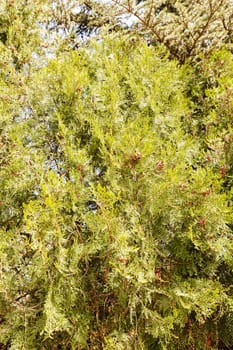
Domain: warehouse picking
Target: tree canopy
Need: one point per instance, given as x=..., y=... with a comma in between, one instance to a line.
x=116, y=175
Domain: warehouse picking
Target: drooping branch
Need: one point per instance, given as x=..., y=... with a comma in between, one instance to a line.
x=184, y=28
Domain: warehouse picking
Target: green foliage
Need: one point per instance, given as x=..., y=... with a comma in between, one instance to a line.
x=186, y=28
x=211, y=96
x=115, y=202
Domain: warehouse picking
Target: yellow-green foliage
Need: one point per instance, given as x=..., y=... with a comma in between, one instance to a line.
x=115, y=202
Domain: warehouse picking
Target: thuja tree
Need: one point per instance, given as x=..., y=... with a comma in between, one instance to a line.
x=115, y=231
x=211, y=122
x=210, y=92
